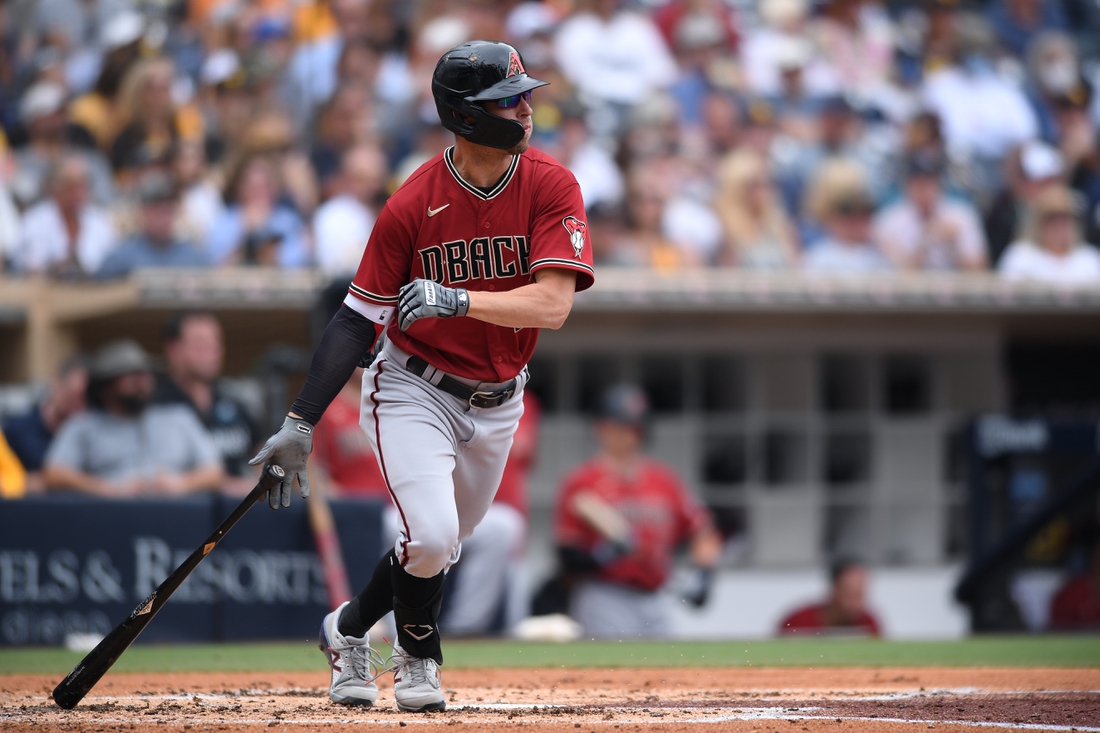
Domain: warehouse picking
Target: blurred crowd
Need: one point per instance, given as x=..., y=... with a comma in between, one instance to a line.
x=828, y=135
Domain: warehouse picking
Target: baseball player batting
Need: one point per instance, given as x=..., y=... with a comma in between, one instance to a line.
x=482, y=246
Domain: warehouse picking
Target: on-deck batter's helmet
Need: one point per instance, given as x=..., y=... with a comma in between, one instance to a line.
x=626, y=404
x=477, y=72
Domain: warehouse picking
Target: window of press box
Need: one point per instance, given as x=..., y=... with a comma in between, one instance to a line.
x=907, y=385
x=596, y=372
x=723, y=383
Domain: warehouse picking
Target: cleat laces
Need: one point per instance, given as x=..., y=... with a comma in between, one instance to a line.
x=364, y=662
x=419, y=669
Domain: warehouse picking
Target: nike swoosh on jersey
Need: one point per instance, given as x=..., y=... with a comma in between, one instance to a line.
x=432, y=212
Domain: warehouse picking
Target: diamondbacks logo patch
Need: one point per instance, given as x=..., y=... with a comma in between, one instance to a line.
x=576, y=229
x=515, y=66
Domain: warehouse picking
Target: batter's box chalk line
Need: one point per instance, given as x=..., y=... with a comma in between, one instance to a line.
x=745, y=715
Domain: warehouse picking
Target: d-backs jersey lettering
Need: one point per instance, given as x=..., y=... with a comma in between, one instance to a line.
x=438, y=226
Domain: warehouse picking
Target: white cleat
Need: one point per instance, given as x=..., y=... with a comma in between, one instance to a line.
x=353, y=663
x=417, y=686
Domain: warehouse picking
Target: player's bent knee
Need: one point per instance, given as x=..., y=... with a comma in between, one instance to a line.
x=429, y=557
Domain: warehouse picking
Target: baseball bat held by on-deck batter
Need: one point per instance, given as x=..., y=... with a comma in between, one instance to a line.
x=91, y=669
x=602, y=517
x=327, y=540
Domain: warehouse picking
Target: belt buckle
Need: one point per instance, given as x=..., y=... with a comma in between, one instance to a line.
x=484, y=400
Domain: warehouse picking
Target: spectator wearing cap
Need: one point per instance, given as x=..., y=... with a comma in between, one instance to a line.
x=1052, y=249
x=155, y=244
x=983, y=114
x=758, y=233
x=65, y=234
x=927, y=230
x=614, y=57
x=844, y=612
x=225, y=102
x=1017, y=22
x=1055, y=82
x=30, y=433
x=256, y=226
x=312, y=74
x=342, y=225
x=839, y=203
x=780, y=42
x=73, y=23
x=597, y=174
x=703, y=54
x=797, y=102
x=1029, y=170
x=856, y=39
x=123, y=446
x=841, y=134
x=95, y=111
x=670, y=15
x=618, y=520
x=42, y=112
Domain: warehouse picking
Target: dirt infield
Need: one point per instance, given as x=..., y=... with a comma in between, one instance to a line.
x=597, y=701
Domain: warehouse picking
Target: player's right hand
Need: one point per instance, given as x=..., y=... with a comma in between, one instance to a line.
x=289, y=448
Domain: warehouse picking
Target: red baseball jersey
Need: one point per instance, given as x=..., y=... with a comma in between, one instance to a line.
x=660, y=510
x=439, y=227
x=343, y=450
x=1076, y=607
x=812, y=620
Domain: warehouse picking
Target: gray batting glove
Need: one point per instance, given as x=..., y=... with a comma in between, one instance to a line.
x=288, y=448
x=428, y=299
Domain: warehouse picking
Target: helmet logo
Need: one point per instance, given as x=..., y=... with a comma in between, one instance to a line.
x=515, y=66
x=576, y=229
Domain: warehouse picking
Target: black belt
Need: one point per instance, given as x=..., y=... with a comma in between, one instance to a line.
x=450, y=385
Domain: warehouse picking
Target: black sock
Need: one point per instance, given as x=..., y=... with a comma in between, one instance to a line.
x=372, y=603
x=416, y=603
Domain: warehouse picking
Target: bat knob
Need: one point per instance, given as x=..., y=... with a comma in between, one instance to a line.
x=276, y=471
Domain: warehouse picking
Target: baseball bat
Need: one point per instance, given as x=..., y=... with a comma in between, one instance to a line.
x=327, y=540
x=91, y=669
x=602, y=517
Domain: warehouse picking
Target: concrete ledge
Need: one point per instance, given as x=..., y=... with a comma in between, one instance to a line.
x=735, y=291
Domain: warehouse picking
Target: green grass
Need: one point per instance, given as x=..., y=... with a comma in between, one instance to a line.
x=1007, y=651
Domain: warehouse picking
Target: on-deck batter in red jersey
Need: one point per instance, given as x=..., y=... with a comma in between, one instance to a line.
x=439, y=227
x=661, y=513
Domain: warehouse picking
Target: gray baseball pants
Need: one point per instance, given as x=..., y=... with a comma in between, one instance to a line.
x=442, y=459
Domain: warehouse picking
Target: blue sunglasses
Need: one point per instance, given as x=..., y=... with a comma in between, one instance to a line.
x=513, y=101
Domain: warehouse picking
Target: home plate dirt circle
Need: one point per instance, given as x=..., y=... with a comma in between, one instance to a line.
x=851, y=700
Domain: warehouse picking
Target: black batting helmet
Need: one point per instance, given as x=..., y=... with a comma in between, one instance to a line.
x=477, y=72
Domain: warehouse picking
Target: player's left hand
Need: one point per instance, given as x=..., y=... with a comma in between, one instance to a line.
x=697, y=588
x=428, y=299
